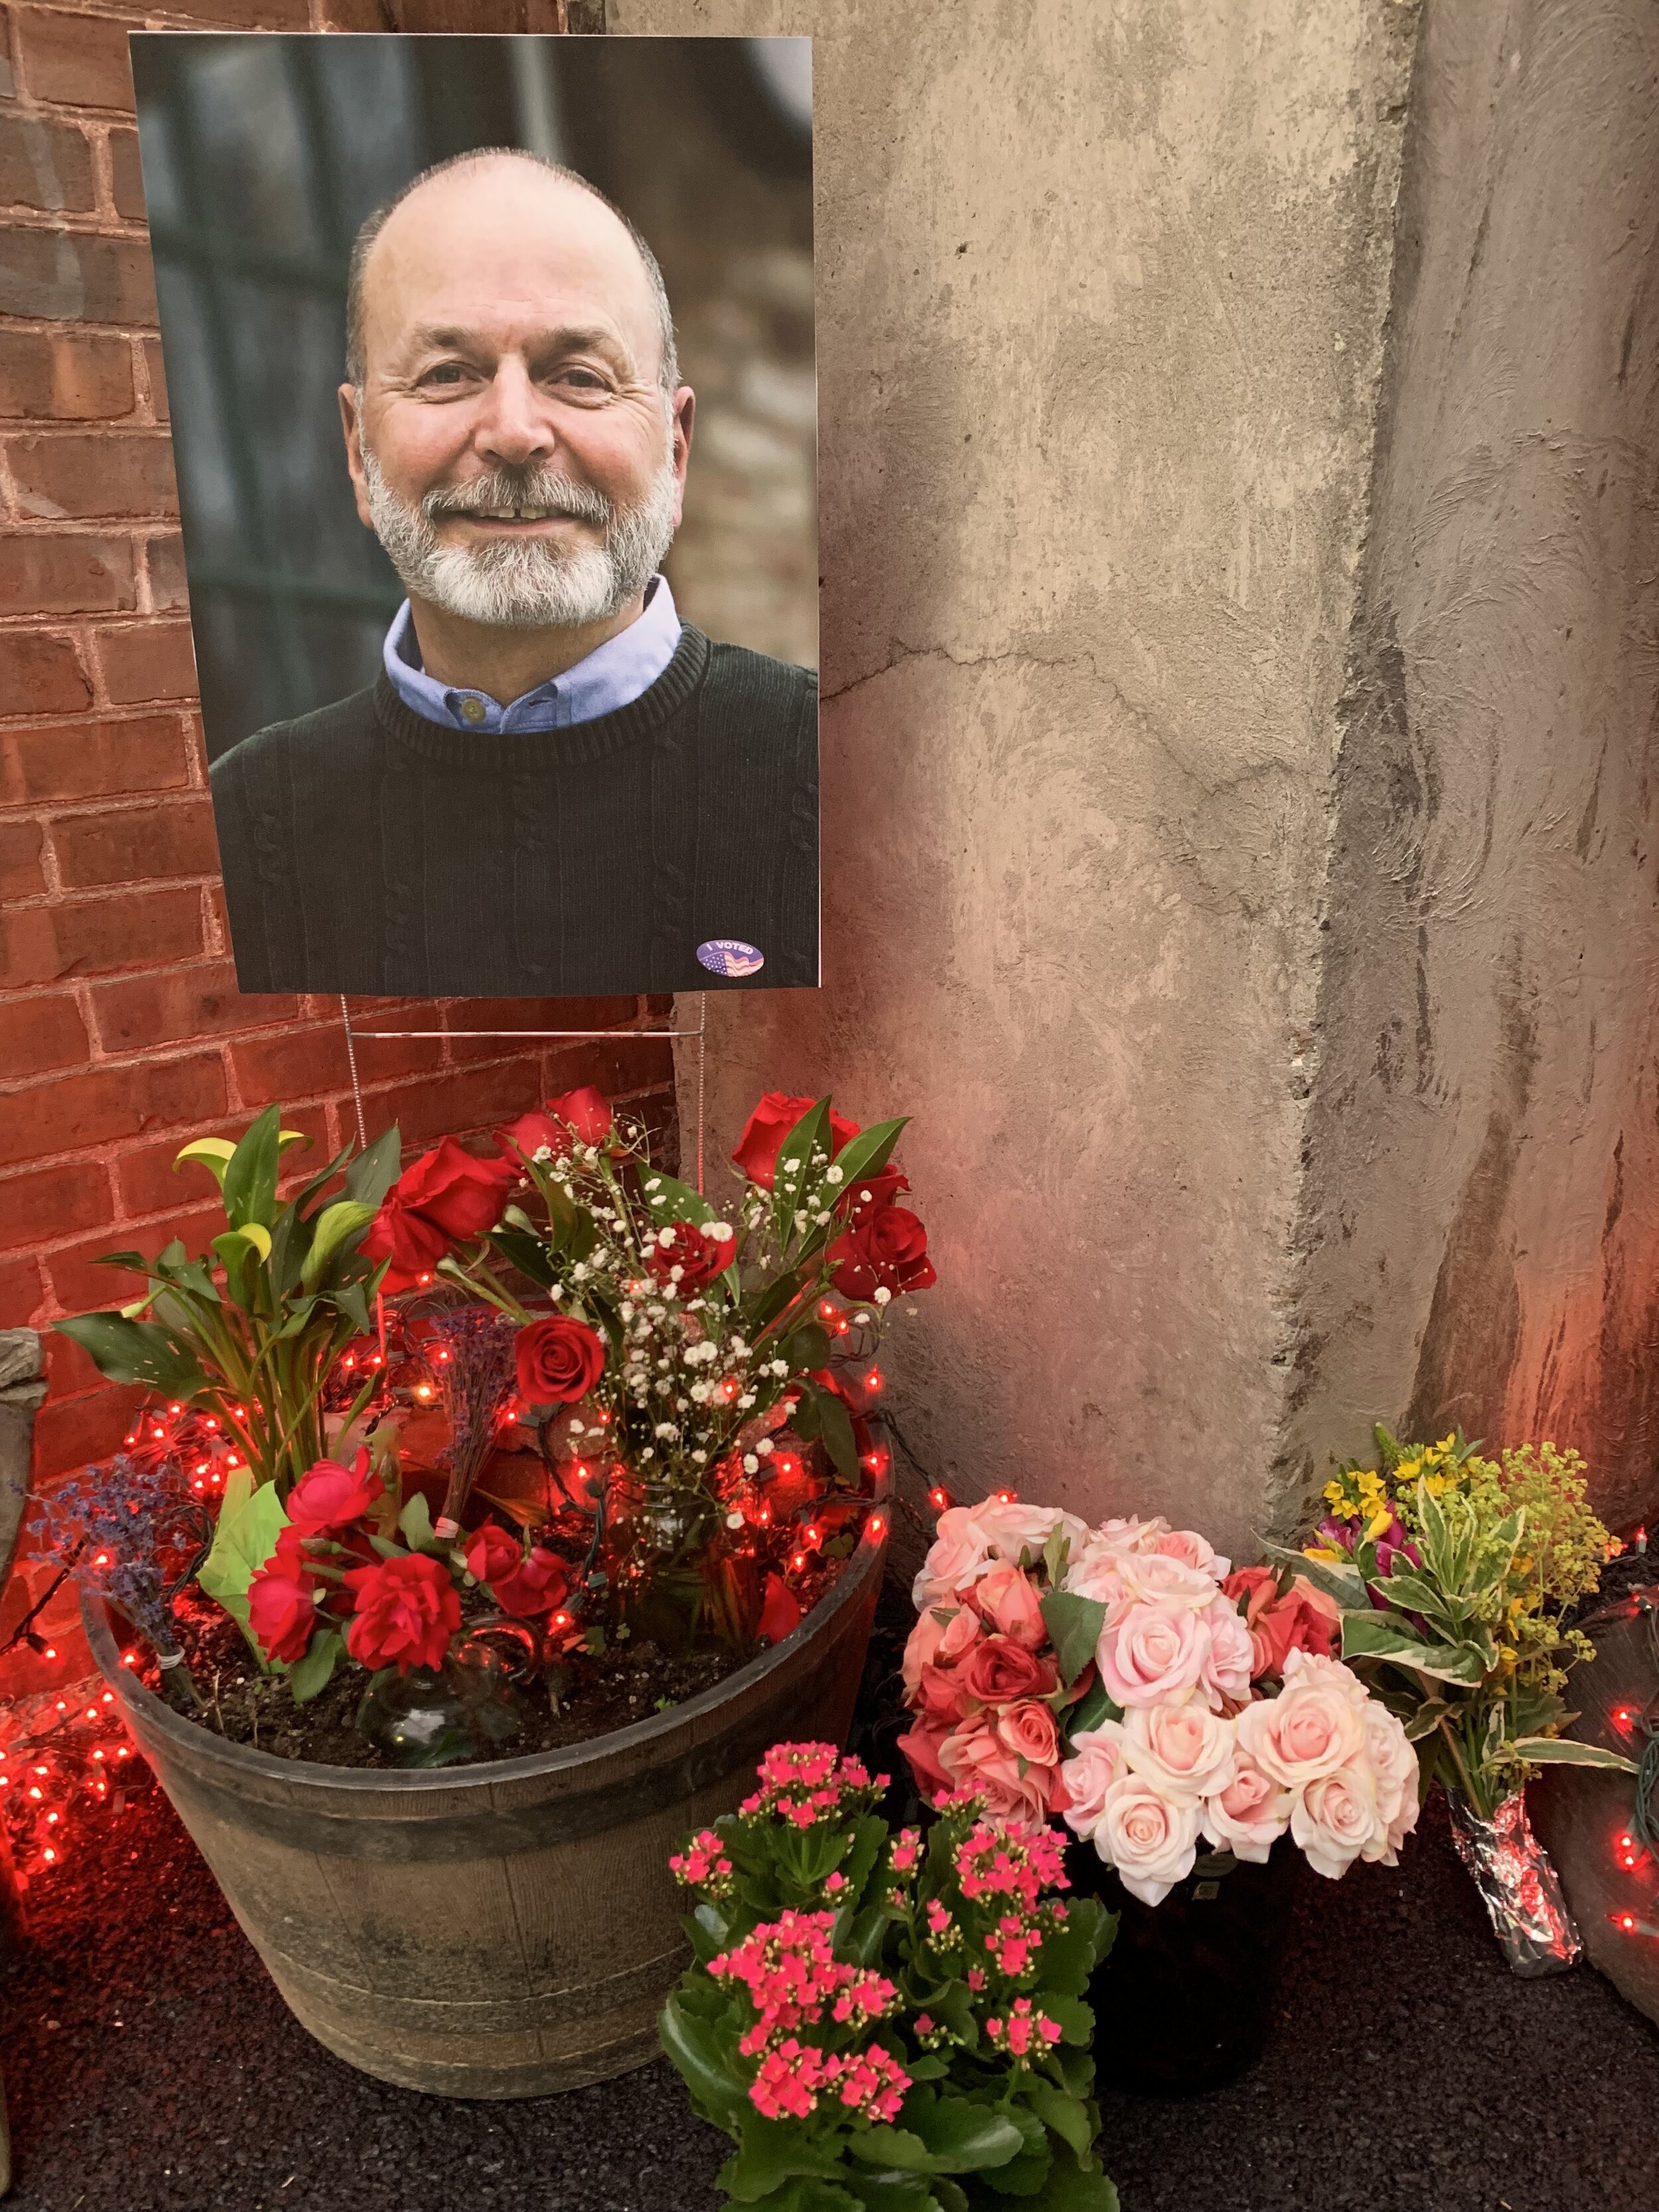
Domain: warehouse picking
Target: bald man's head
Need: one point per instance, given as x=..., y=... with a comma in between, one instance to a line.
x=357, y=314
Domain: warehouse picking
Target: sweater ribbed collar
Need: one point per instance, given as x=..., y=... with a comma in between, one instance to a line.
x=542, y=751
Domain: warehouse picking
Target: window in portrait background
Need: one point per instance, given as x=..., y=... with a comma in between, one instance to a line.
x=263, y=153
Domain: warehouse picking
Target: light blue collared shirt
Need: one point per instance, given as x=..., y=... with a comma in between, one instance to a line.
x=613, y=675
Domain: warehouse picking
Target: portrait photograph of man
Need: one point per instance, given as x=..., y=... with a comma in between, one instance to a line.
x=558, y=734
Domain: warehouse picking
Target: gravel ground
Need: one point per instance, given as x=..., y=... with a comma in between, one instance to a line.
x=151, y=2067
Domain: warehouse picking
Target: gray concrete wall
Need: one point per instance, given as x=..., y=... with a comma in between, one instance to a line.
x=1101, y=300
x=1482, y=1213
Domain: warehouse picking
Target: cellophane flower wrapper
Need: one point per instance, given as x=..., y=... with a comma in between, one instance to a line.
x=1518, y=1885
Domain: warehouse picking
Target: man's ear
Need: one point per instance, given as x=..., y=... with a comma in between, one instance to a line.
x=351, y=424
x=685, y=407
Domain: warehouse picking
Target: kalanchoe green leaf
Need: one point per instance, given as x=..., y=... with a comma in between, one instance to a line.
x=1074, y=1623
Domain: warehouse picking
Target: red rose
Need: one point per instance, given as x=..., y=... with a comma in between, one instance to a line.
x=560, y=1360
x=407, y=1612
x=781, y=1609
x=887, y=1251
x=331, y=1496
x=698, y=1253
x=762, y=1141
x=868, y=1193
x=536, y=1585
x=585, y=1112
x=492, y=1551
x=281, y=1604
x=447, y=1194
x=998, y=1670
x=531, y=1133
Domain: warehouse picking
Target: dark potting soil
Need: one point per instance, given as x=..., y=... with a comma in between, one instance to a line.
x=151, y=2067
x=585, y=1694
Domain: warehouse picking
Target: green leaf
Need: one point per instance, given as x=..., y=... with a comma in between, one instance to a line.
x=1385, y=1635
x=1073, y=2187
x=944, y=2135
x=136, y=1351
x=1335, y=1577
x=243, y=1541
x=1424, y=1721
x=790, y=1179
x=1093, y=1707
x=672, y=1200
x=807, y=1346
x=308, y=1676
x=836, y=1427
x=691, y=2047
x=1063, y=2115
x=868, y=1153
x=373, y=1173
x=213, y=1152
x=415, y=1523
x=1407, y=1592
x=250, y=1177
x=1074, y=1623
x=1076, y=2021
x=336, y=1225
x=527, y=1253
x=1564, y=1751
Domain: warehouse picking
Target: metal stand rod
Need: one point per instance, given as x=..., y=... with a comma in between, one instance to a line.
x=571, y=1036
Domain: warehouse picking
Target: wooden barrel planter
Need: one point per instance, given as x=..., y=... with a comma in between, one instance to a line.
x=498, y=1930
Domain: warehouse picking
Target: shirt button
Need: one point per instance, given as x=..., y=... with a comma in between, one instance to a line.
x=472, y=710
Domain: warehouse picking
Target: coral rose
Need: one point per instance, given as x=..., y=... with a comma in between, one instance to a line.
x=407, y=1613
x=757, y=1149
x=1150, y=1838
x=559, y=1361
x=689, y=1256
x=938, y=1640
x=974, y=1757
x=1007, y=1598
x=887, y=1251
x=443, y=1197
x=922, y=1746
x=967, y=1539
x=1248, y=1816
x=329, y=1496
x=1150, y=1654
x=998, y=1671
x=1028, y=1730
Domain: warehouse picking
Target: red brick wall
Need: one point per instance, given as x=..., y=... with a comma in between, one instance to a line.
x=122, y=1033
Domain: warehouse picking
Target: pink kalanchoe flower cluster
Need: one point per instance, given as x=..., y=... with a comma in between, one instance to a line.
x=870, y=2082
x=805, y=1783
x=995, y=1860
x=790, y=2079
x=791, y=1974
x=1012, y=1942
x=702, y=1864
x=1023, y=2030
x=906, y=1850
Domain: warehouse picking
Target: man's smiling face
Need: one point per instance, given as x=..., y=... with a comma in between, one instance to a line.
x=512, y=422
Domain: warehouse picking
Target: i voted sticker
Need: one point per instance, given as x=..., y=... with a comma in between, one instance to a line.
x=730, y=956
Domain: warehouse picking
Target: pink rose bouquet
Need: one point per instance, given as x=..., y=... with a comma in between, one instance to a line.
x=1124, y=1679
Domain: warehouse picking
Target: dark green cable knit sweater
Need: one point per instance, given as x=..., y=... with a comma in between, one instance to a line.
x=368, y=850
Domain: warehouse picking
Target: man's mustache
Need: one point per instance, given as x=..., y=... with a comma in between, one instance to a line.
x=502, y=489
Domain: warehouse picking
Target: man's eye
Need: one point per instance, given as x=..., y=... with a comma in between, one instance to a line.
x=447, y=371
x=582, y=380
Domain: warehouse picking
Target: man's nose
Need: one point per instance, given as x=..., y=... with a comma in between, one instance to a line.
x=514, y=426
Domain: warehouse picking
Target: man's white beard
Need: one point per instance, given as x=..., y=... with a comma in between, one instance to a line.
x=528, y=583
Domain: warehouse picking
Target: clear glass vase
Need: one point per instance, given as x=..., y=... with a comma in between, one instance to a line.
x=1520, y=1888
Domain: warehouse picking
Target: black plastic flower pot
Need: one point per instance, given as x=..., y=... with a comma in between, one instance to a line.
x=1185, y=1999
